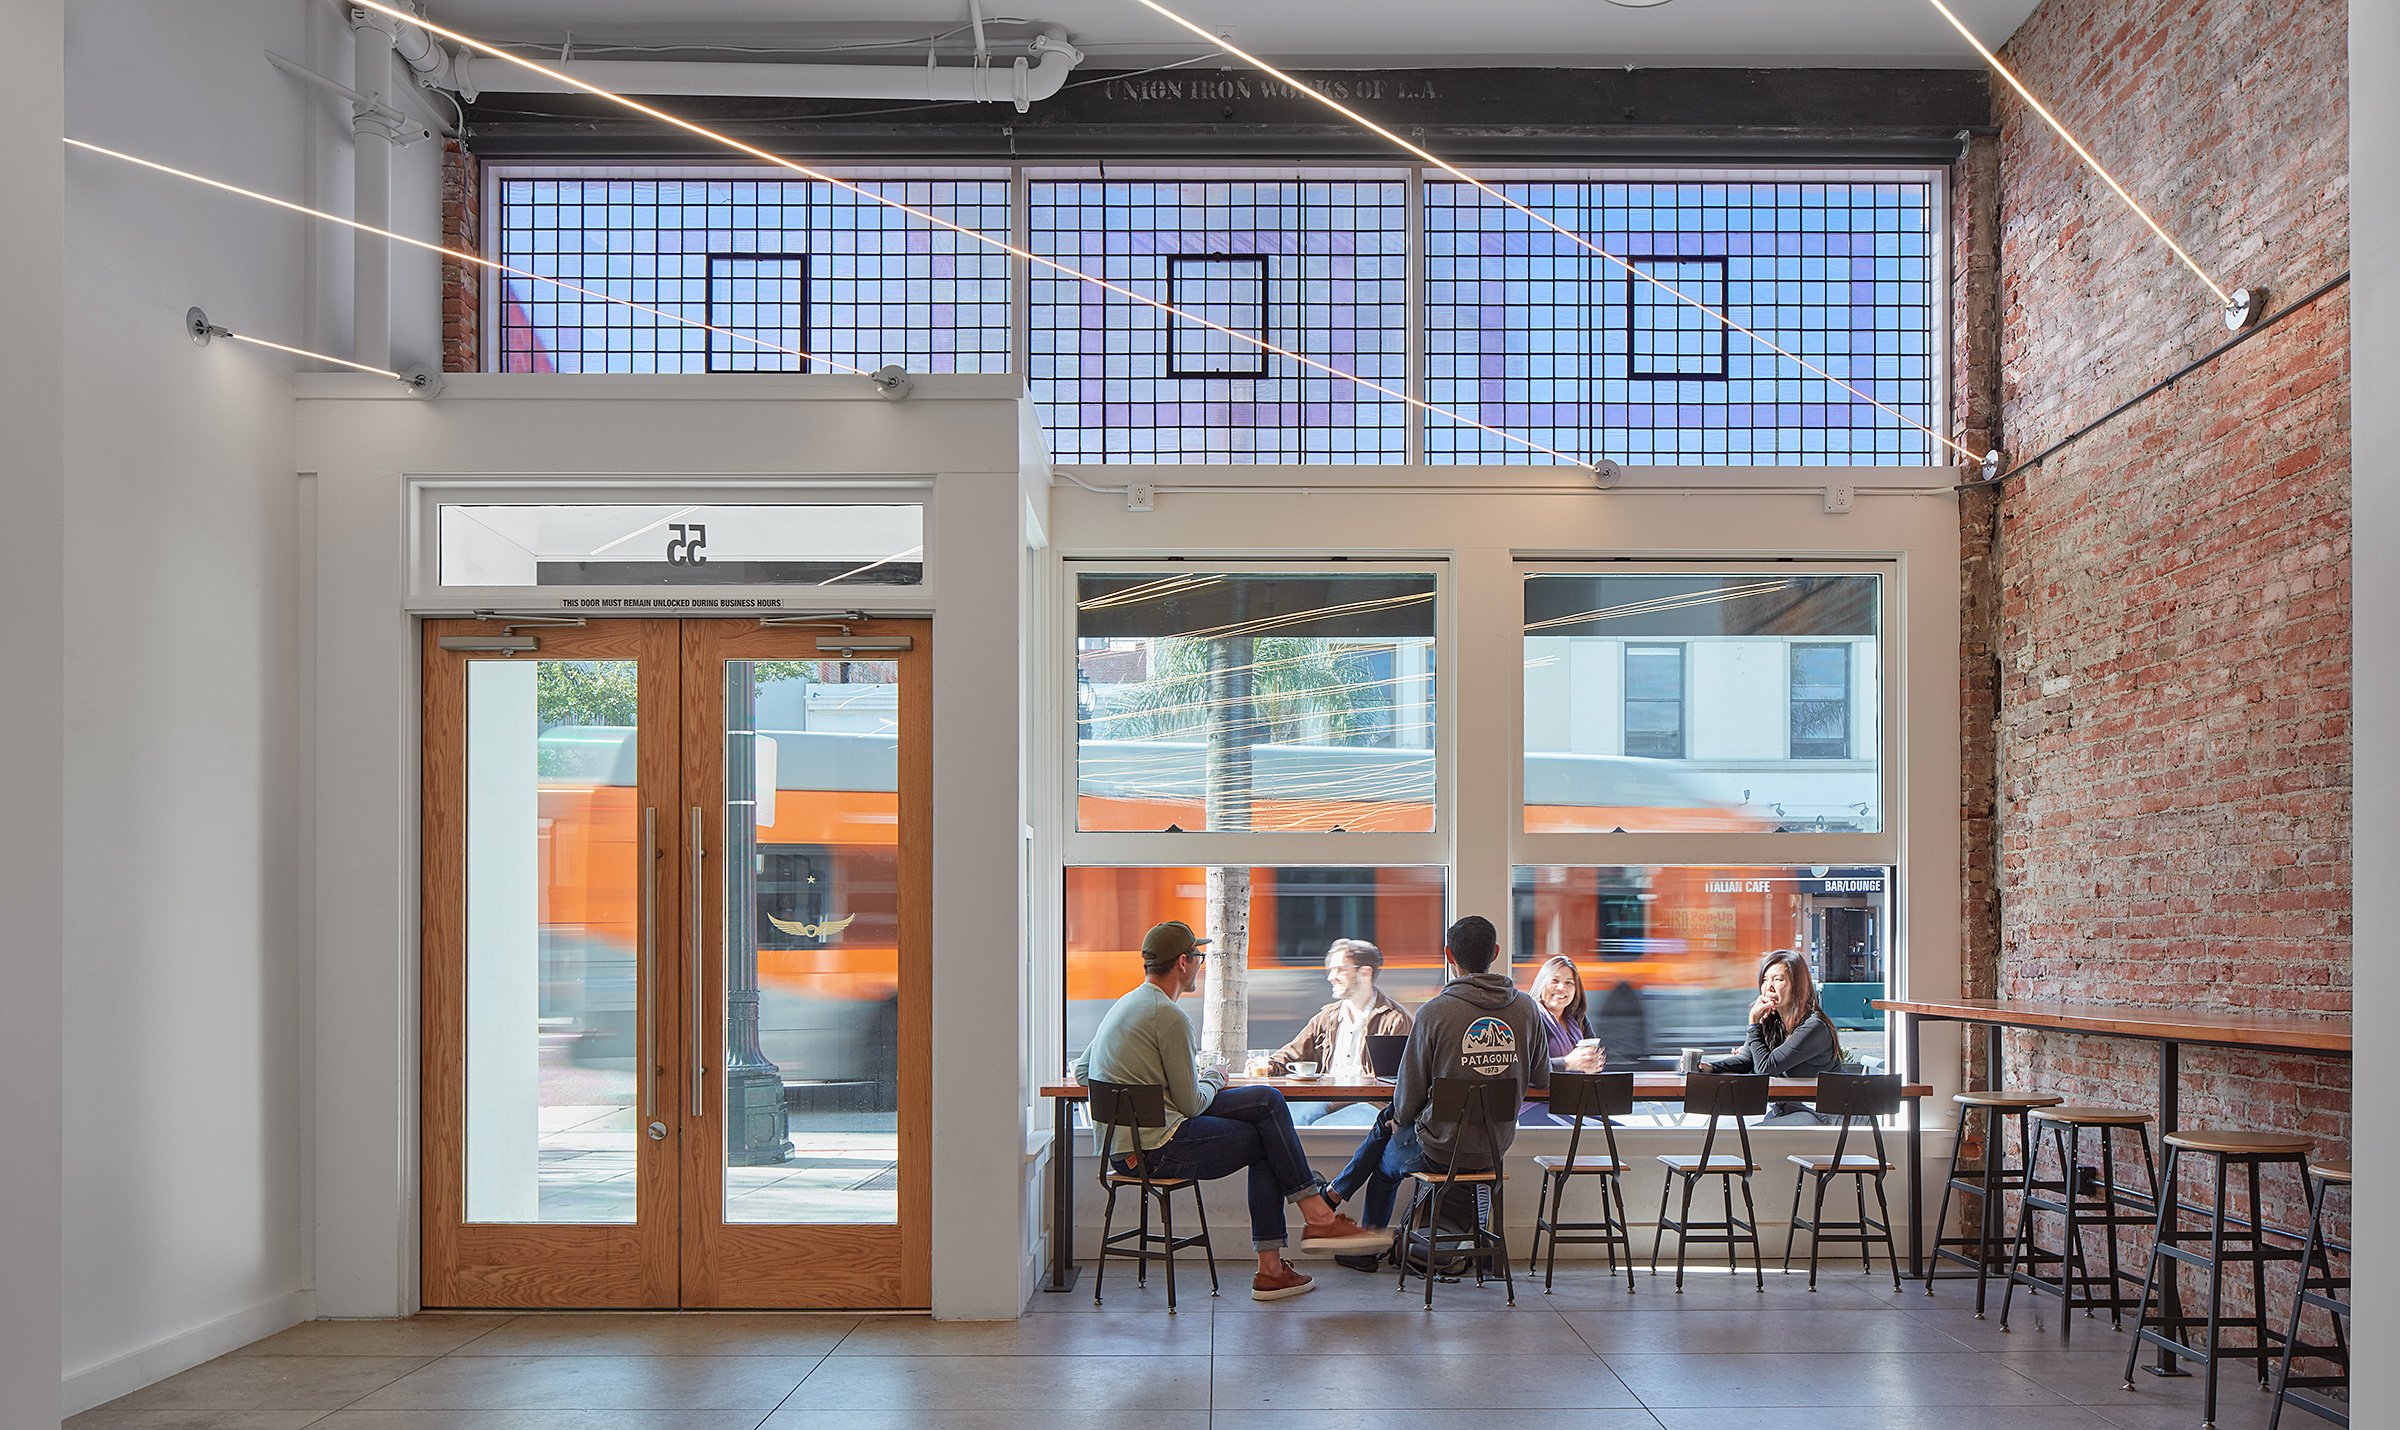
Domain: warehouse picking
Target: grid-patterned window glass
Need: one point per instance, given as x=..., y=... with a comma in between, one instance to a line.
x=1223, y=298
x=1333, y=254
x=882, y=287
x=761, y=296
x=1536, y=335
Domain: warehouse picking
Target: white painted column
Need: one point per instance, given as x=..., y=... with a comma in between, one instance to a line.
x=32, y=711
x=503, y=1073
x=2375, y=677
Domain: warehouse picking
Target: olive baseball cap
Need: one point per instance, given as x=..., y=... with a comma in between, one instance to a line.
x=1167, y=942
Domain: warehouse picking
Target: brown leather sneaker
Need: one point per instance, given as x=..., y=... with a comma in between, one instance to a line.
x=1342, y=1234
x=1280, y=1283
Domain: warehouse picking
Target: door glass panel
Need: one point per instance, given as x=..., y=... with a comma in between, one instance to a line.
x=812, y=899
x=552, y=836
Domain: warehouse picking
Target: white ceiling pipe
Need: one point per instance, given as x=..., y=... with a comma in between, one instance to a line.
x=1022, y=84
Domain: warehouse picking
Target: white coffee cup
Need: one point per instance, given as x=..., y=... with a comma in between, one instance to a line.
x=1689, y=1063
x=1584, y=1043
x=1304, y=1069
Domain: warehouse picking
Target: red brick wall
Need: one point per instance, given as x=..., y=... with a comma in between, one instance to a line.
x=2174, y=663
x=462, y=283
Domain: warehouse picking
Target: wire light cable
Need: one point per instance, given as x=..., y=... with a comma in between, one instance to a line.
x=463, y=256
x=936, y=220
x=1309, y=91
x=202, y=331
x=2235, y=303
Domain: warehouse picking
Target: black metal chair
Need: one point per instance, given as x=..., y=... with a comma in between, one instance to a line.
x=1134, y=1107
x=1607, y=1096
x=2320, y=1288
x=1717, y=1096
x=1853, y=1099
x=1989, y=1183
x=1474, y=1105
x=2083, y=1198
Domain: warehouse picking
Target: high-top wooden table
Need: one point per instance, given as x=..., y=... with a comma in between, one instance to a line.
x=1647, y=1087
x=2172, y=1029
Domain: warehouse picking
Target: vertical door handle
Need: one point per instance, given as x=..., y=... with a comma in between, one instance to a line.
x=650, y=854
x=699, y=950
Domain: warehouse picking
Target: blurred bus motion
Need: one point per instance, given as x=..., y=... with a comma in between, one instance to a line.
x=1667, y=954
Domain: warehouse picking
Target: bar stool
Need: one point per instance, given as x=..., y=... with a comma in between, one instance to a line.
x=1720, y=1096
x=1851, y=1098
x=1996, y=1178
x=1607, y=1096
x=2106, y=1206
x=2251, y=1151
x=1135, y=1106
x=2318, y=1287
x=1473, y=1105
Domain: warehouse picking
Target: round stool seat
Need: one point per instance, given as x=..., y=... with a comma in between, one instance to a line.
x=2008, y=1099
x=2241, y=1144
x=2329, y=1171
x=2093, y=1116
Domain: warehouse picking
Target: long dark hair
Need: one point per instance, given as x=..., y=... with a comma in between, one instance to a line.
x=1796, y=974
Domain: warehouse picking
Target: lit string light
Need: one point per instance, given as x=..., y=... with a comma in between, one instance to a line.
x=2227, y=299
x=1308, y=91
x=936, y=220
x=462, y=256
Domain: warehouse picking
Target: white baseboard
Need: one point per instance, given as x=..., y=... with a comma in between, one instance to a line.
x=127, y=1373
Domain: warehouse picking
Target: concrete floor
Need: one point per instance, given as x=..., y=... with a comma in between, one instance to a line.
x=1353, y=1355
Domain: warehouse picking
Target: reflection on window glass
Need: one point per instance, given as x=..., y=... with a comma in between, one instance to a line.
x=1268, y=702
x=1668, y=956
x=1718, y=702
x=1292, y=917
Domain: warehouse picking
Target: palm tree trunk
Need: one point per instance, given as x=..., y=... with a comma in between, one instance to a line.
x=1232, y=729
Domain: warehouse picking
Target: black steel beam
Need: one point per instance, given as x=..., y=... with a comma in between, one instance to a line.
x=1489, y=116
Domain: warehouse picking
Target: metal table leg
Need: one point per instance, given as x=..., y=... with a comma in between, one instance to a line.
x=2170, y=1100
x=1994, y=1147
x=1911, y=1058
x=1062, y=1195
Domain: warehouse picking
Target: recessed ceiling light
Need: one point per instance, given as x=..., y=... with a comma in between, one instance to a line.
x=1636, y=4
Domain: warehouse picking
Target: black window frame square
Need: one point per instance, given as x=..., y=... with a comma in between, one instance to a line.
x=1175, y=263
x=708, y=286
x=1634, y=285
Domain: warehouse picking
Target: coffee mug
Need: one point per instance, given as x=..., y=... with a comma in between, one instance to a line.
x=1304, y=1069
x=1689, y=1063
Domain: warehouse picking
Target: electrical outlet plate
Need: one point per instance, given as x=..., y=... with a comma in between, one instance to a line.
x=1838, y=499
x=1139, y=496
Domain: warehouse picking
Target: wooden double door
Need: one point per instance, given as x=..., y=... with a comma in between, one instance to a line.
x=676, y=948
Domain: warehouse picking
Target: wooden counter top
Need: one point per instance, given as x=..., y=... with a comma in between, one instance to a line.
x=1647, y=1087
x=2283, y=1032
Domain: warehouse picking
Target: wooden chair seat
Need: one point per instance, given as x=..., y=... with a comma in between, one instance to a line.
x=1164, y=1184
x=2008, y=1099
x=1689, y=1162
x=1582, y=1165
x=2330, y=1171
x=1427, y=1174
x=1851, y=1162
x=2241, y=1144
x=2093, y=1116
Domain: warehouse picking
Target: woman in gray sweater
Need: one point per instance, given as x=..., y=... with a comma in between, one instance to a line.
x=1790, y=1036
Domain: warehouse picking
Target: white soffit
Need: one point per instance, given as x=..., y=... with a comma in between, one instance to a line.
x=1120, y=34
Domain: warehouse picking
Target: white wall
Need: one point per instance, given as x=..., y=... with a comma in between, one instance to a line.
x=32, y=651
x=2375, y=675
x=185, y=990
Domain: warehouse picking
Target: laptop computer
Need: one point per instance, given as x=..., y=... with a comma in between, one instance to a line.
x=1383, y=1054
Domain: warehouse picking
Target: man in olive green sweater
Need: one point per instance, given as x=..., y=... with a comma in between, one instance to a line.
x=1211, y=1131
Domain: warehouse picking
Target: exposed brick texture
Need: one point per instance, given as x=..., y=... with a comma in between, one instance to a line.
x=462, y=283
x=1975, y=401
x=2174, y=590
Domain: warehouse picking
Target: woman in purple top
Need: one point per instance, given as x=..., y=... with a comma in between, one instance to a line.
x=1558, y=991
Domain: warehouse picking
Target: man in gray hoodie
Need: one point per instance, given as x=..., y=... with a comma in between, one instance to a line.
x=1479, y=1025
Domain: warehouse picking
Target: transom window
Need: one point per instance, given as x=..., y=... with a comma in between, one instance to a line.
x=1454, y=296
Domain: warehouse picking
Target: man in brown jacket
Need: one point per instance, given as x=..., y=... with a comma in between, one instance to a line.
x=1336, y=1038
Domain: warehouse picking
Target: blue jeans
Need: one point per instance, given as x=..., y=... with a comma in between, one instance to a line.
x=1388, y=1154
x=1243, y=1127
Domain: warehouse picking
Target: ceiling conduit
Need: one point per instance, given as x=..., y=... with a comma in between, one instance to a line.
x=1022, y=84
